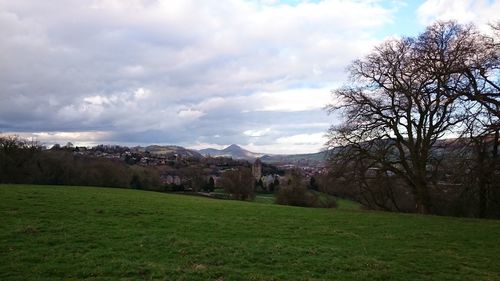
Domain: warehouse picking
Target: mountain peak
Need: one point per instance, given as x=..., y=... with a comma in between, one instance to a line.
x=235, y=151
x=233, y=146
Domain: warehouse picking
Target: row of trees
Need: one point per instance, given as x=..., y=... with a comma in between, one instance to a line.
x=24, y=161
x=295, y=191
x=299, y=192
x=421, y=123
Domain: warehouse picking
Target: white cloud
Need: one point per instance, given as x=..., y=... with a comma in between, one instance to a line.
x=96, y=100
x=304, y=139
x=302, y=99
x=257, y=133
x=480, y=12
x=142, y=93
x=295, y=144
x=296, y=99
x=190, y=114
x=291, y=144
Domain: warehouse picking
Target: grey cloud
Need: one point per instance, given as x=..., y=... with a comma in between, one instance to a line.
x=56, y=55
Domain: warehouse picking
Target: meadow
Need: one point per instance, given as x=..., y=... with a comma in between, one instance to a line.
x=75, y=233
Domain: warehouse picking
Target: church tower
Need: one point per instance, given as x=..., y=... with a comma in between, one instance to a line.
x=257, y=169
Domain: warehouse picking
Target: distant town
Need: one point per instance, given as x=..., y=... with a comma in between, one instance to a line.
x=175, y=163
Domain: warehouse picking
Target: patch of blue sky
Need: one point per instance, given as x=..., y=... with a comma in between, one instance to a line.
x=284, y=2
x=296, y=2
x=404, y=22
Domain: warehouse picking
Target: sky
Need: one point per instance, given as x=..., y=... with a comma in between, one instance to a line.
x=195, y=73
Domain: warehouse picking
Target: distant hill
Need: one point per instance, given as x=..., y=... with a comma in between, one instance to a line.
x=310, y=158
x=236, y=152
x=170, y=150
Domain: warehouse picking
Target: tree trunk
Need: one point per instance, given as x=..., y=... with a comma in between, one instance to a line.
x=422, y=197
x=483, y=192
x=486, y=170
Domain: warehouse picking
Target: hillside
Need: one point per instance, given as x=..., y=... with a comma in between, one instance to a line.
x=170, y=150
x=61, y=233
x=236, y=152
x=310, y=158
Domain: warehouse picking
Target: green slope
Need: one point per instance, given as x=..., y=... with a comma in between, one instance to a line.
x=64, y=233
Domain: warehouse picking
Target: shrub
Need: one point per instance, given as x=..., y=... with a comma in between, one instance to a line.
x=239, y=183
x=297, y=194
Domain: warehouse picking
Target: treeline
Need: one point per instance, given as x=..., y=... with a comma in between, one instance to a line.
x=463, y=181
x=24, y=161
x=294, y=190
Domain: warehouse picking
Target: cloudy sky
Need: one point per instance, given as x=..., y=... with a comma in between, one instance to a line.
x=197, y=73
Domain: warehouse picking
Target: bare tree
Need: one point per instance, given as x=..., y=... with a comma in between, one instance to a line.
x=196, y=178
x=405, y=96
x=16, y=156
x=482, y=72
x=482, y=128
x=295, y=192
x=239, y=183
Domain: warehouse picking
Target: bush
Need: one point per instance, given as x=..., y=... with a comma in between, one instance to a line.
x=297, y=194
x=326, y=201
x=239, y=183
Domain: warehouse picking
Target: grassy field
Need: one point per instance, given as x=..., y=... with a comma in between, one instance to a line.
x=65, y=233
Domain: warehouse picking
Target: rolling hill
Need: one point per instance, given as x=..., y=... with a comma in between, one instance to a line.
x=236, y=152
x=297, y=159
x=170, y=150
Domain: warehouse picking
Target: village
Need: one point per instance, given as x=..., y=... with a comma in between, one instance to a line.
x=182, y=169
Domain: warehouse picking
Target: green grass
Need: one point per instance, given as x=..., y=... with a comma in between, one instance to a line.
x=65, y=233
x=264, y=198
x=345, y=204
